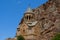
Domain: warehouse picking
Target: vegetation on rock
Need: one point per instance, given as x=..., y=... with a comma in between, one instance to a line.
x=56, y=37
x=20, y=37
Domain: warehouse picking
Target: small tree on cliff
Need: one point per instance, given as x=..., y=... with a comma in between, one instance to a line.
x=20, y=37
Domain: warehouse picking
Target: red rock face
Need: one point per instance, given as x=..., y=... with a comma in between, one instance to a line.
x=50, y=12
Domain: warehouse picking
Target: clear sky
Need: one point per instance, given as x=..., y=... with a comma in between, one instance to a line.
x=11, y=12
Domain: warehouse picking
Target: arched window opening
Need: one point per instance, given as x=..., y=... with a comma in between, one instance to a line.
x=29, y=17
x=26, y=17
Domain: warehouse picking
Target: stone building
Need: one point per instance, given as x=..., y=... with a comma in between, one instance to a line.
x=41, y=23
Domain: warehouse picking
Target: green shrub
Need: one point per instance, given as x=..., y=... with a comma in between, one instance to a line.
x=56, y=37
x=20, y=37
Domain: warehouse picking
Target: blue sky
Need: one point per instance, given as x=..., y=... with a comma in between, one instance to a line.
x=11, y=12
